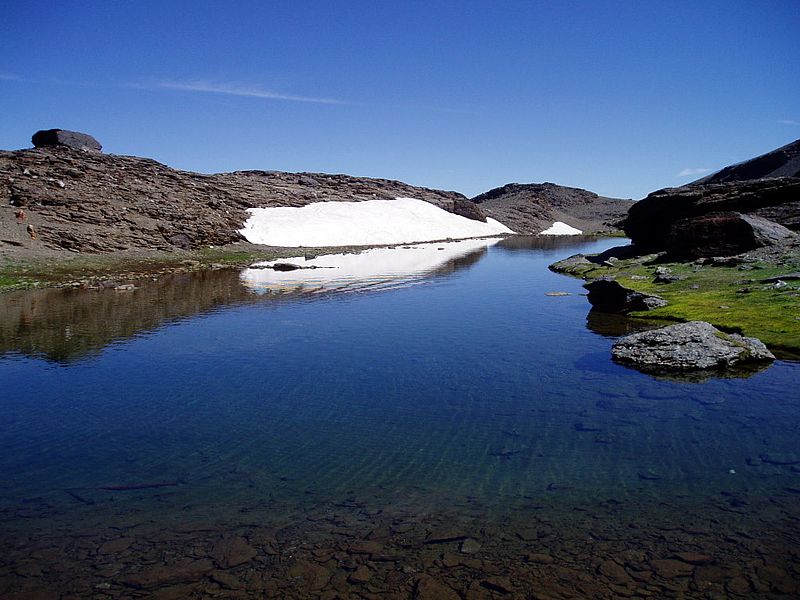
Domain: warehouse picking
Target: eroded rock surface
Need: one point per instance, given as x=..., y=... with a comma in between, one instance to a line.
x=691, y=346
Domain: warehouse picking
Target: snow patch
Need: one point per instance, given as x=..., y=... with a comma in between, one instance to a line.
x=559, y=228
x=398, y=221
x=378, y=268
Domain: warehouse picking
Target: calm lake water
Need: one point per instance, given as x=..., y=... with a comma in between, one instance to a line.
x=313, y=407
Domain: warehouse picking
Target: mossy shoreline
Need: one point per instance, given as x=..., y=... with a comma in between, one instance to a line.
x=733, y=295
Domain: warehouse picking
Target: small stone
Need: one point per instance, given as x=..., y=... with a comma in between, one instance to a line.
x=428, y=588
x=365, y=547
x=361, y=575
x=614, y=572
x=498, y=584
x=694, y=558
x=669, y=568
x=470, y=546
x=540, y=559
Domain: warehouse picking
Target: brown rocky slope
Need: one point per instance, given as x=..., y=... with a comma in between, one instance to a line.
x=62, y=198
x=533, y=207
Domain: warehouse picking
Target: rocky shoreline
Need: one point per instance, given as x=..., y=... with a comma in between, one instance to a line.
x=733, y=546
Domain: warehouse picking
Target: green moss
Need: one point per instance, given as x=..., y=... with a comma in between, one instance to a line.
x=733, y=300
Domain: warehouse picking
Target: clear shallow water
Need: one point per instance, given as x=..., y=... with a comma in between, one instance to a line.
x=471, y=388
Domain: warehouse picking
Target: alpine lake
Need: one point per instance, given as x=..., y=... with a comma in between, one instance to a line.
x=439, y=426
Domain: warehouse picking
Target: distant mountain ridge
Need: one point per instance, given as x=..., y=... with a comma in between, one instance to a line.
x=530, y=208
x=781, y=162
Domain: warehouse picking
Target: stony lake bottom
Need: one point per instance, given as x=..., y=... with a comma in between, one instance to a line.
x=439, y=431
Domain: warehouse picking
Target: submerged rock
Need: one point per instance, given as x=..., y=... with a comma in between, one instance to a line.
x=691, y=346
x=608, y=295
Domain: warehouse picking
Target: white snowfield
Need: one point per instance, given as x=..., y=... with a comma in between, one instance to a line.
x=559, y=228
x=372, y=222
x=373, y=269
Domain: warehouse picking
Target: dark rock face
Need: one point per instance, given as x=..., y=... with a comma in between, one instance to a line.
x=607, y=295
x=691, y=346
x=650, y=222
x=783, y=162
x=532, y=208
x=468, y=209
x=62, y=137
x=723, y=234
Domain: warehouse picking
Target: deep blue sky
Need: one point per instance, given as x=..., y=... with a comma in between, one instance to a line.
x=616, y=97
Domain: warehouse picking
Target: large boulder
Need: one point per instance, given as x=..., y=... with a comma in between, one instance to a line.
x=608, y=295
x=691, y=346
x=650, y=221
x=62, y=137
x=723, y=234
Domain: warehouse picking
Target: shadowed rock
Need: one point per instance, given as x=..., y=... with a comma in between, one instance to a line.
x=691, y=346
x=654, y=221
x=62, y=137
x=608, y=295
x=723, y=234
x=468, y=209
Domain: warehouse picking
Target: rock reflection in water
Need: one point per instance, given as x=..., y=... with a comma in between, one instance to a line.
x=66, y=324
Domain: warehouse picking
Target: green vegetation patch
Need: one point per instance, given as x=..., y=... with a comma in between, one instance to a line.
x=732, y=298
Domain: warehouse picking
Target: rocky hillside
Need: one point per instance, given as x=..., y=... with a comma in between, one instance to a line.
x=58, y=197
x=783, y=162
x=533, y=207
x=740, y=208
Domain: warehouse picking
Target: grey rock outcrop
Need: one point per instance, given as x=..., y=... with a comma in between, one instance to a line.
x=63, y=137
x=691, y=346
x=608, y=295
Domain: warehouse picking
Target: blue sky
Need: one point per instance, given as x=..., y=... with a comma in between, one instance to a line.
x=616, y=97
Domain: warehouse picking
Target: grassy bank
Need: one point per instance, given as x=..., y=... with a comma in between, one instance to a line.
x=734, y=298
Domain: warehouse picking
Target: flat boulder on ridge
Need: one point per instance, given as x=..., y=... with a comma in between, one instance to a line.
x=691, y=346
x=63, y=137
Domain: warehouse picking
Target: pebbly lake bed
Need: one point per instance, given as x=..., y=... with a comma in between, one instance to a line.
x=424, y=422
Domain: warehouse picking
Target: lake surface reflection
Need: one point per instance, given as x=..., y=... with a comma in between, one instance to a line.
x=379, y=429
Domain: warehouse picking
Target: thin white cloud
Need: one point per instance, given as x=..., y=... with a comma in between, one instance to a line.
x=688, y=172
x=789, y=122
x=239, y=90
x=10, y=77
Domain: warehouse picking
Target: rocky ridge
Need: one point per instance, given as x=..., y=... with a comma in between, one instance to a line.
x=533, y=207
x=781, y=162
x=64, y=198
